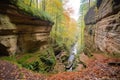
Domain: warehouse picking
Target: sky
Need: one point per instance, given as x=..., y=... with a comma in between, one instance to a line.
x=75, y=4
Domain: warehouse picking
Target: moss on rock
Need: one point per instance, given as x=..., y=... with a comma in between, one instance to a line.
x=38, y=14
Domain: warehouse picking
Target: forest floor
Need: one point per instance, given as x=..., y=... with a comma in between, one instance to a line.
x=99, y=67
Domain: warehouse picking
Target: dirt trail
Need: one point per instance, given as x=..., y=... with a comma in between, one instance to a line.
x=99, y=68
x=9, y=71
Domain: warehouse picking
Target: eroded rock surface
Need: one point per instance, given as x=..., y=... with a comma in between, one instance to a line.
x=21, y=32
x=103, y=32
x=107, y=34
x=7, y=38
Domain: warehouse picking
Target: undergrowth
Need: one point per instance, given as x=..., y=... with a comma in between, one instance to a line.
x=45, y=62
x=42, y=62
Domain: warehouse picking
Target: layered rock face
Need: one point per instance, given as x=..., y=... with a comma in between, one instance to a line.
x=20, y=32
x=104, y=29
x=8, y=40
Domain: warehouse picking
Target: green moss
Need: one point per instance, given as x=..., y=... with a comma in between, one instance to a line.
x=47, y=60
x=11, y=59
x=31, y=11
x=42, y=62
x=113, y=55
x=8, y=58
x=24, y=58
x=65, y=58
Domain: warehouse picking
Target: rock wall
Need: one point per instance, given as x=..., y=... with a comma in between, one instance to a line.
x=103, y=31
x=20, y=32
x=7, y=39
x=32, y=38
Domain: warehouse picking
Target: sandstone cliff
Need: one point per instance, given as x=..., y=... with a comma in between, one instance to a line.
x=21, y=32
x=102, y=32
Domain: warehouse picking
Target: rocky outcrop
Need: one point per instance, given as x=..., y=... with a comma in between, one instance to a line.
x=8, y=38
x=107, y=34
x=102, y=33
x=21, y=32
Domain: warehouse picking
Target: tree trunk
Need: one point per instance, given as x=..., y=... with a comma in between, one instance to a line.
x=31, y=2
x=43, y=5
x=37, y=3
x=89, y=3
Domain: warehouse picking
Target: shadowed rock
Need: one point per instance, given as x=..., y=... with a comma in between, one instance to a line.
x=26, y=33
